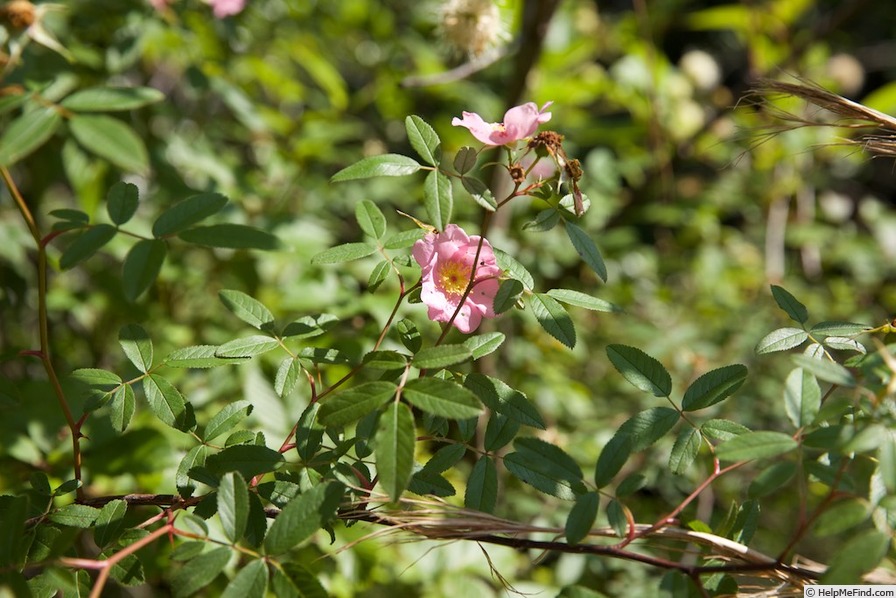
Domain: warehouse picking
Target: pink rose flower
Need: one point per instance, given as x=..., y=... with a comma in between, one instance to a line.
x=446, y=263
x=225, y=8
x=519, y=122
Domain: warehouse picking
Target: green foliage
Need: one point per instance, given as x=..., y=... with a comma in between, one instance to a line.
x=281, y=160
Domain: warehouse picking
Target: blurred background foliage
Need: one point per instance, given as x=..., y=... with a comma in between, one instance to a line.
x=696, y=207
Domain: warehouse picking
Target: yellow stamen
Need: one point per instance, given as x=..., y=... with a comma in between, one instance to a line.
x=454, y=277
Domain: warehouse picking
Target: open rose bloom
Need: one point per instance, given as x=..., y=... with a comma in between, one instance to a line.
x=447, y=261
x=519, y=122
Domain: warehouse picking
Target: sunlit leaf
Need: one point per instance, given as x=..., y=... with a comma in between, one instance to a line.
x=553, y=318
x=370, y=219
x=480, y=193
x=802, y=397
x=110, y=522
x=226, y=419
x=826, y=370
x=246, y=308
x=781, y=339
x=395, y=439
x=111, y=139
x=351, y=405
x=423, y=139
x=586, y=249
x=165, y=401
x=755, y=445
x=442, y=398
x=441, y=356
x=545, y=466
x=344, y=253
x=27, y=133
x=484, y=344
x=233, y=505
x=110, y=99
x=384, y=165
x=199, y=571
x=579, y=299
x=438, y=199
x=249, y=346
x=685, y=450
x=249, y=582
x=136, y=344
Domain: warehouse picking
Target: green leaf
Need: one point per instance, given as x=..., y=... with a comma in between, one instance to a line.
x=826, y=370
x=484, y=344
x=648, y=426
x=582, y=300
x=544, y=221
x=27, y=133
x=384, y=165
x=641, y=370
x=292, y=580
x=480, y=193
x=465, y=159
x=249, y=460
x=86, y=244
x=370, y=219
x=500, y=397
x=787, y=302
x=233, y=505
x=404, y=239
x=188, y=213
x=13, y=513
x=842, y=516
x=344, y=253
x=75, y=515
x=482, y=486
x=443, y=398
x=128, y=571
x=500, y=431
x=513, y=268
x=713, y=387
x=838, y=329
x=110, y=522
x=613, y=456
x=197, y=356
x=378, y=275
x=165, y=401
x=195, y=457
x=685, y=450
x=309, y=326
x=246, y=308
x=586, y=249
x=395, y=439
x=323, y=355
x=755, y=445
x=385, y=360
x=226, y=419
x=122, y=405
x=136, y=344
x=630, y=484
x=249, y=346
x=250, y=582
x=886, y=458
x=546, y=467
x=111, y=139
x=442, y=356
x=142, y=266
x=445, y=458
x=581, y=517
x=844, y=344
x=287, y=376
x=616, y=517
x=772, y=478
x=199, y=572
x=110, y=99
x=781, y=339
x=553, y=318
x=302, y=516
x=121, y=202
x=722, y=429
x=423, y=139
x=802, y=397
x=508, y=295
x=859, y=555
x=438, y=199
x=230, y=236
x=74, y=216
x=351, y=405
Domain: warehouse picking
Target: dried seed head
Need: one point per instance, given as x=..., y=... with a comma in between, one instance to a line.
x=471, y=27
x=517, y=173
x=550, y=141
x=19, y=14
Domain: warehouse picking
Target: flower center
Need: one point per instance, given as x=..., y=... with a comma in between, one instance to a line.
x=454, y=277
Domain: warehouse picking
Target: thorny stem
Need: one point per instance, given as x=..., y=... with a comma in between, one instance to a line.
x=43, y=322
